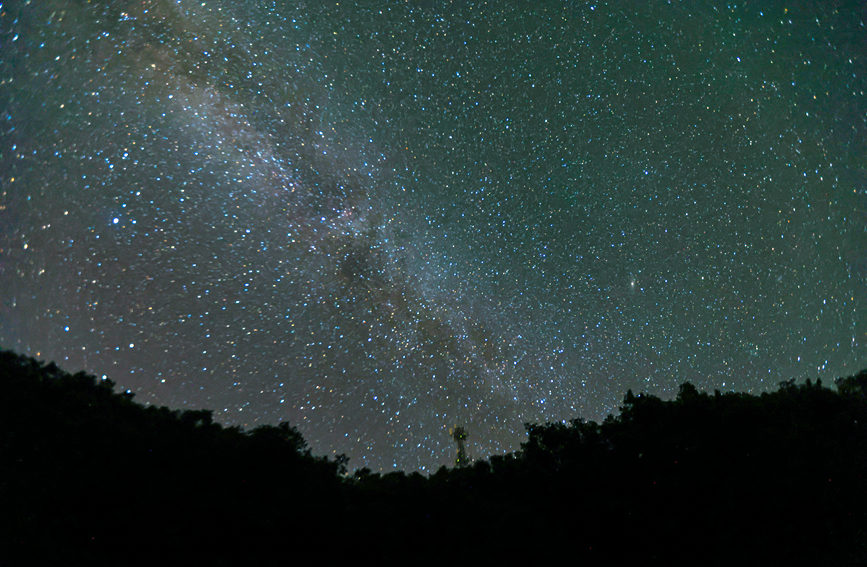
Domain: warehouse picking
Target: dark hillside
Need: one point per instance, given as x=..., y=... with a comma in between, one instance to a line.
x=89, y=472
x=89, y=476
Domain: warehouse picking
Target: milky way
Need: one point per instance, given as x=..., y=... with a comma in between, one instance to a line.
x=379, y=222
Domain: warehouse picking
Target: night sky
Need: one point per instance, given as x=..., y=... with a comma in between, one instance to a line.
x=380, y=221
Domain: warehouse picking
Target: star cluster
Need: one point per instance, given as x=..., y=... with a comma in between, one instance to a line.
x=378, y=222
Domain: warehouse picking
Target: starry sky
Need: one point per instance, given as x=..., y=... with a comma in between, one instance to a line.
x=380, y=220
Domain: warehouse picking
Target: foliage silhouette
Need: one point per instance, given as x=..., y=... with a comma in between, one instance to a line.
x=90, y=476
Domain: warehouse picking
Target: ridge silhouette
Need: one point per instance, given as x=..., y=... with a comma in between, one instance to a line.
x=89, y=476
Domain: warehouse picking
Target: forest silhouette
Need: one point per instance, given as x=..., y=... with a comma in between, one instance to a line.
x=89, y=476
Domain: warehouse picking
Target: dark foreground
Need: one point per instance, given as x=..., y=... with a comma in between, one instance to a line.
x=88, y=476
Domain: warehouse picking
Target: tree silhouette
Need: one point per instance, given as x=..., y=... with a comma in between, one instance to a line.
x=853, y=385
x=87, y=474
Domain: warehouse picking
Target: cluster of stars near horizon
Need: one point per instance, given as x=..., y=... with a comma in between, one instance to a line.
x=377, y=223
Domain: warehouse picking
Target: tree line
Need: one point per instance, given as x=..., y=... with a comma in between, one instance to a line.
x=88, y=475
